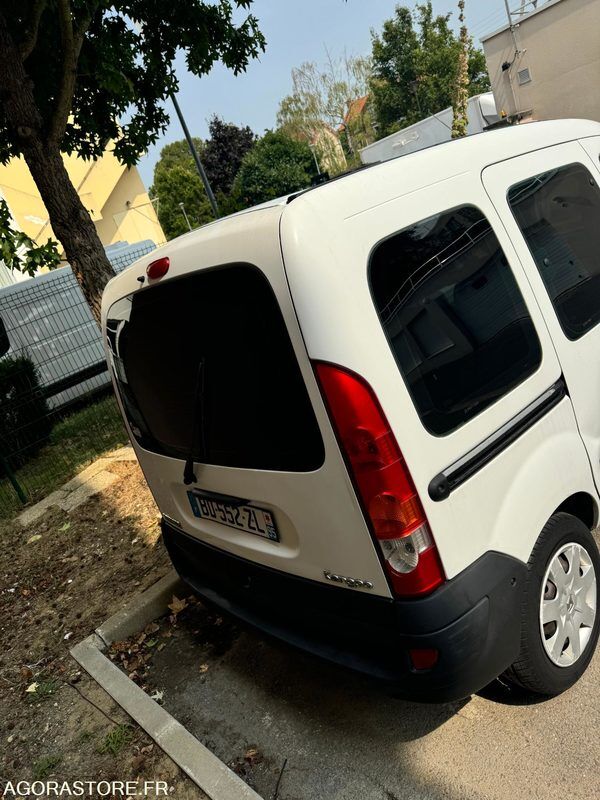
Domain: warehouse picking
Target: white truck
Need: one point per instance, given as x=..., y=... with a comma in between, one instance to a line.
x=47, y=319
x=481, y=112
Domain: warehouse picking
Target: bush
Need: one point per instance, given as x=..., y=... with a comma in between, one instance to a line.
x=277, y=165
x=25, y=421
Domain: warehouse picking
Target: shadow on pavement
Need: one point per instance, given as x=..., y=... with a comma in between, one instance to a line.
x=342, y=734
x=507, y=694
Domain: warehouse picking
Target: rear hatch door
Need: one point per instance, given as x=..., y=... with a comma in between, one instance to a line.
x=210, y=361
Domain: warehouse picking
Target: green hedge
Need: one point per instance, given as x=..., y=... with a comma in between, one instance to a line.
x=25, y=420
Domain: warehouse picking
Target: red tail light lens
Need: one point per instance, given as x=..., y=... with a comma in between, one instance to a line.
x=385, y=487
x=159, y=268
x=423, y=658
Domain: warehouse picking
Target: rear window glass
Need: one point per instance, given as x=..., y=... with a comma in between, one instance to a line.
x=213, y=347
x=559, y=215
x=453, y=315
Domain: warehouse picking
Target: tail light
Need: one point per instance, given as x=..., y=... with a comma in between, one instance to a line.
x=158, y=269
x=385, y=487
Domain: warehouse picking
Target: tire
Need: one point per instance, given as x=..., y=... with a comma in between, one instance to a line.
x=548, y=663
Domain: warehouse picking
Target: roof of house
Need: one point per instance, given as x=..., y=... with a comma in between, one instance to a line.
x=355, y=109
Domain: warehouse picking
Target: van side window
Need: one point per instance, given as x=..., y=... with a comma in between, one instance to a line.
x=454, y=316
x=558, y=213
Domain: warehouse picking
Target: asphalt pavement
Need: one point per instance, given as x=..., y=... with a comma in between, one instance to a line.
x=277, y=715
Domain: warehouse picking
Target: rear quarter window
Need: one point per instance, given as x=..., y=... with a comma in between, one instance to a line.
x=453, y=315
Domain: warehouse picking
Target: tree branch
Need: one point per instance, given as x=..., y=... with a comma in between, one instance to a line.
x=72, y=40
x=83, y=26
x=30, y=41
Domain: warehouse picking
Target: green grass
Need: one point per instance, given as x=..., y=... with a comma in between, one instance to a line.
x=45, y=690
x=44, y=767
x=75, y=441
x=116, y=739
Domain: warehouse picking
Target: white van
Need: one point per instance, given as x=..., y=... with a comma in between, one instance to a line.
x=369, y=412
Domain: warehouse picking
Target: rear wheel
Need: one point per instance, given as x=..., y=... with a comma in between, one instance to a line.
x=559, y=619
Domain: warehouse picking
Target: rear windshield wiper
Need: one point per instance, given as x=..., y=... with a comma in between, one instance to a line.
x=197, y=422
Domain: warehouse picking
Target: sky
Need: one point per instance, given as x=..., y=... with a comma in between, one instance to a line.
x=296, y=31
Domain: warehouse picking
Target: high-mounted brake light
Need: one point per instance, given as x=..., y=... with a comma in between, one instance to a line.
x=159, y=268
x=388, y=495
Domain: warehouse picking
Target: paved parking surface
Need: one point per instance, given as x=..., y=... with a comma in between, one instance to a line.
x=344, y=738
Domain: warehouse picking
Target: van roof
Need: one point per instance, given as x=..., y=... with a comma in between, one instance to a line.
x=376, y=183
x=356, y=192
x=383, y=181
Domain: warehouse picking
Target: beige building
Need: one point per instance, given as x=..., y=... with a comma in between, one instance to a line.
x=328, y=150
x=547, y=64
x=113, y=194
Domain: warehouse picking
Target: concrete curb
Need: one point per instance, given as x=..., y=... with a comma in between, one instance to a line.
x=203, y=767
x=144, y=608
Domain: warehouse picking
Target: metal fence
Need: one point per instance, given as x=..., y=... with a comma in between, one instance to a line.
x=57, y=411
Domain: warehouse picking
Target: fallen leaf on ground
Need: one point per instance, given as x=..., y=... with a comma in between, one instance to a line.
x=34, y=538
x=253, y=755
x=151, y=628
x=176, y=605
x=203, y=667
x=137, y=763
x=32, y=688
x=65, y=527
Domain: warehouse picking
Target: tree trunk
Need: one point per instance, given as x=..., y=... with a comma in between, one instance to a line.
x=69, y=219
x=70, y=222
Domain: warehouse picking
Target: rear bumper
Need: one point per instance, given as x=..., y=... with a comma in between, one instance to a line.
x=472, y=620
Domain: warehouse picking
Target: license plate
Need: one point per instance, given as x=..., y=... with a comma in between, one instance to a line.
x=250, y=519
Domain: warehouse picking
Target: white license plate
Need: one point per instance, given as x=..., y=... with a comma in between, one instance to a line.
x=250, y=519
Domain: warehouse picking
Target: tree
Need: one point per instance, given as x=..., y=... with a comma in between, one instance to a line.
x=224, y=151
x=415, y=66
x=321, y=98
x=276, y=166
x=176, y=179
x=176, y=182
x=76, y=74
x=460, y=120
x=18, y=251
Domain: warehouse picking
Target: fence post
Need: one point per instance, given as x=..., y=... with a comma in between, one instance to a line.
x=21, y=494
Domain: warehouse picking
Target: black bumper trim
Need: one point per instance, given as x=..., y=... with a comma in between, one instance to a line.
x=473, y=620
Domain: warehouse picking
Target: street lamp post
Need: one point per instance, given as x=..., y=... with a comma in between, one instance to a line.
x=196, y=157
x=182, y=207
x=190, y=141
x=312, y=148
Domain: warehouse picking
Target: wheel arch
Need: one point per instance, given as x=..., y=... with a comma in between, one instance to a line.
x=581, y=505
x=536, y=489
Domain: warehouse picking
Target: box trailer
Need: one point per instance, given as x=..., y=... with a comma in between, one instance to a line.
x=47, y=319
x=481, y=112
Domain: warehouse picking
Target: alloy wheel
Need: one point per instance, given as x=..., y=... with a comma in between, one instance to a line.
x=568, y=604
